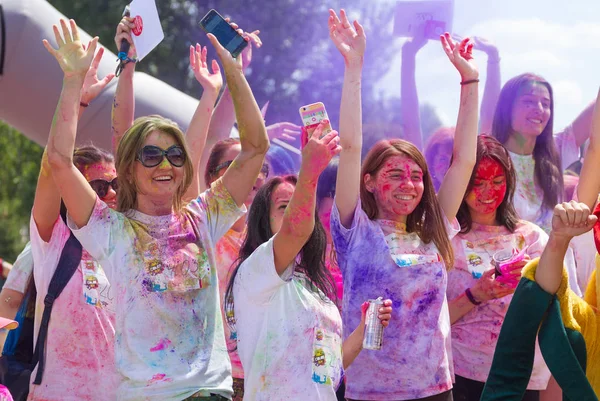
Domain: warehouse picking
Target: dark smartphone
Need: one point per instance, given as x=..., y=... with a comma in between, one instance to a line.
x=213, y=23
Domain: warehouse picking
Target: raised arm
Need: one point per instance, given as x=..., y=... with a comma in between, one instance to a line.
x=299, y=218
x=409, y=98
x=241, y=175
x=75, y=63
x=569, y=220
x=582, y=125
x=123, y=107
x=464, y=152
x=589, y=179
x=493, y=84
x=198, y=128
x=351, y=43
x=92, y=86
x=224, y=113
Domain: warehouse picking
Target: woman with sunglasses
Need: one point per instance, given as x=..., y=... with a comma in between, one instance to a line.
x=157, y=250
x=81, y=335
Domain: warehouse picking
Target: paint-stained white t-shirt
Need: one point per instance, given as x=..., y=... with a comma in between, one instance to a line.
x=169, y=343
x=81, y=333
x=289, y=334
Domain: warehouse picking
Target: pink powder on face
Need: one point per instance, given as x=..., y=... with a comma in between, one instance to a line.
x=162, y=344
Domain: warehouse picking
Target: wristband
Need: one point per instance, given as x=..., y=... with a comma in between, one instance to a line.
x=471, y=298
x=470, y=81
x=83, y=104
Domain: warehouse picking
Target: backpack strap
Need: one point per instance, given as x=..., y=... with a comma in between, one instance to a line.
x=67, y=265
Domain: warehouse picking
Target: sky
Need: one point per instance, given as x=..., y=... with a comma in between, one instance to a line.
x=557, y=39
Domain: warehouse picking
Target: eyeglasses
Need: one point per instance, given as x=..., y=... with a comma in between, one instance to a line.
x=101, y=186
x=152, y=156
x=264, y=169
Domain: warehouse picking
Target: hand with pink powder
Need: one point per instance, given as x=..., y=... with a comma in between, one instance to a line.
x=385, y=312
x=353, y=344
x=318, y=151
x=460, y=55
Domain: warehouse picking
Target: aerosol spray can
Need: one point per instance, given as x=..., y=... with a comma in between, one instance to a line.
x=373, y=338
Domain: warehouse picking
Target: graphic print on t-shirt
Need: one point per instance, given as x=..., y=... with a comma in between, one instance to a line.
x=480, y=253
x=400, y=243
x=326, y=368
x=185, y=269
x=96, y=288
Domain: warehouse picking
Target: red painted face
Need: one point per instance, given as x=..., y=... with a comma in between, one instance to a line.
x=489, y=187
x=397, y=187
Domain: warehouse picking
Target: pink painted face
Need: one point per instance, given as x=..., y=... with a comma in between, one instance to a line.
x=105, y=172
x=160, y=182
x=489, y=188
x=279, y=200
x=325, y=215
x=531, y=110
x=397, y=187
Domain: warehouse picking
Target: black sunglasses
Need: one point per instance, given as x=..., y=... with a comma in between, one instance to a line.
x=152, y=156
x=100, y=187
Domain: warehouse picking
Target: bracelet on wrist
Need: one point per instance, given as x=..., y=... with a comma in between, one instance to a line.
x=470, y=81
x=471, y=298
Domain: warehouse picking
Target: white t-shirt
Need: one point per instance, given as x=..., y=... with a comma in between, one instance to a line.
x=289, y=334
x=22, y=269
x=474, y=336
x=528, y=194
x=80, y=356
x=170, y=343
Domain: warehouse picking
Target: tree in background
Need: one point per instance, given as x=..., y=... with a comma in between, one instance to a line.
x=20, y=159
x=297, y=64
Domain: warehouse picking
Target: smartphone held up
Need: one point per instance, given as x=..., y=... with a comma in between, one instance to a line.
x=312, y=115
x=228, y=37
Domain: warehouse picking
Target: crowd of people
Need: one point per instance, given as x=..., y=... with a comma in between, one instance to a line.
x=203, y=269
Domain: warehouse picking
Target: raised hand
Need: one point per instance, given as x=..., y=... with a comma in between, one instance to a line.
x=318, y=152
x=285, y=131
x=247, y=52
x=124, y=33
x=92, y=86
x=481, y=44
x=209, y=81
x=460, y=55
x=224, y=55
x=571, y=219
x=350, y=41
x=73, y=59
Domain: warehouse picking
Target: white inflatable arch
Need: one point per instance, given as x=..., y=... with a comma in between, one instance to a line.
x=30, y=80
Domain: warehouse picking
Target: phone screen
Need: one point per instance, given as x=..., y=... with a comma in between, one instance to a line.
x=225, y=34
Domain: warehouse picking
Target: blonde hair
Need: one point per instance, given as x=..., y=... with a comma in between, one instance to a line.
x=129, y=146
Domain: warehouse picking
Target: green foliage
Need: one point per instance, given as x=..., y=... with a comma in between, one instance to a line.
x=20, y=160
x=297, y=64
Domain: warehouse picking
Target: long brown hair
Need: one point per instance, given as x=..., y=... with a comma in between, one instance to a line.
x=427, y=220
x=132, y=141
x=548, y=173
x=506, y=214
